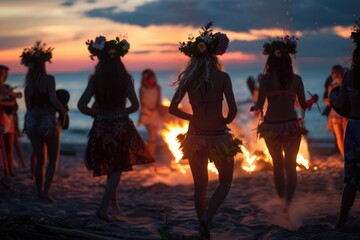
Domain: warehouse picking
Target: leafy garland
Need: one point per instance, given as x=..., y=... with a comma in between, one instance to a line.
x=281, y=45
x=100, y=47
x=207, y=43
x=38, y=52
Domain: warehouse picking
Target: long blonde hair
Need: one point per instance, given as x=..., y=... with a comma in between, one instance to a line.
x=198, y=71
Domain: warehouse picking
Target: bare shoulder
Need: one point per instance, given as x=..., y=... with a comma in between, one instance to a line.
x=297, y=79
x=48, y=77
x=221, y=76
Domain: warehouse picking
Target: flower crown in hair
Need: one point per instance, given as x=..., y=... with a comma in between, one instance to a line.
x=281, y=45
x=206, y=43
x=100, y=47
x=355, y=34
x=35, y=53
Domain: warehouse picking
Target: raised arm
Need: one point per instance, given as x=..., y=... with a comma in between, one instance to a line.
x=174, y=106
x=230, y=100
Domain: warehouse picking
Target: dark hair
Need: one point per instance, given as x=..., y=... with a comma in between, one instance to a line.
x=282, y=66
x=149, y=73
x=355, y=66
x=198, y=71
x=338, y=69
x=36, y=68
x=111, y=81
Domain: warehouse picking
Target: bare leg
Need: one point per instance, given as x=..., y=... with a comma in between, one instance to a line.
x=291, y=149
x=111, y=186
x=9, y=143
x=339, y=136
x=114, y=200
x=151, y=144
x=275, y=150
x=18, y=150
x=39, y=149
x=226, y=169
x=200, y=175
x=347, y=201
x=53, y=150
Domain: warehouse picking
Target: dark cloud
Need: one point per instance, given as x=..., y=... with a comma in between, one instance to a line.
x=68, y=3
x=141, y=52
x=15, y=42
x=238, y=15
x=326, y=45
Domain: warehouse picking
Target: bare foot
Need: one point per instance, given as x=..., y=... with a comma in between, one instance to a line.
x=47, y=198
x=204, y=230
x=115, y=211
x=104, y=216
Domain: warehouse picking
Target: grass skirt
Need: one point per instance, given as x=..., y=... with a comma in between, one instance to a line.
x=280, y=131
x=220, y=146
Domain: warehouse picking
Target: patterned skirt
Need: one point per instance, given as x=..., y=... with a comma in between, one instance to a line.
x=352, y=153
x=219, y=145
x=114, y=145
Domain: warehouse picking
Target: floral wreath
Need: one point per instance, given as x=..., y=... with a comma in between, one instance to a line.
x=280, y=46
x=206, y=43
x=37, y=52
x=115, y=47
x=355, y=34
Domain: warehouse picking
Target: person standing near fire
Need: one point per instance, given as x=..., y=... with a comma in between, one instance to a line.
x=336, y=124
x=150, y=102
x=281, y=127
x=346, y=104
x=208, y=137
x=114, y=145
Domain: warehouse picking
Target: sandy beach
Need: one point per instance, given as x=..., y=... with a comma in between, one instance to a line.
x=159, y=204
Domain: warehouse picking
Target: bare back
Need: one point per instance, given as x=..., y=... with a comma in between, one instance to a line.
x=206, y=103
x=281, y=102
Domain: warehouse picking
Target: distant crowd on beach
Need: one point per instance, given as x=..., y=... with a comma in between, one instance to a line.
x=114, y=144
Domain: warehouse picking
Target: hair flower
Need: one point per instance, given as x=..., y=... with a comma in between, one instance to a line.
x=39, y=52
x=206, y=43
x=101, y=48
x=202, y=47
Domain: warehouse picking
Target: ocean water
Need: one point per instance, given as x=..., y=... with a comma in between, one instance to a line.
x=80, y=124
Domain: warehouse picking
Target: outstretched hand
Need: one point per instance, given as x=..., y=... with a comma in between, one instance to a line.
x=314, y=99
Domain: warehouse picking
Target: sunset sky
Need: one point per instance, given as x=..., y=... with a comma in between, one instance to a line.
x=154, y=29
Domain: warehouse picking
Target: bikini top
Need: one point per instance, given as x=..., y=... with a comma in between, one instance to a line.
x=206, y=102
x=281, y=92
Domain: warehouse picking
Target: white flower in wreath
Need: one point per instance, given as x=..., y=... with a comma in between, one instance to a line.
x=207, y=39
x=99, y=45
x=126, y=45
